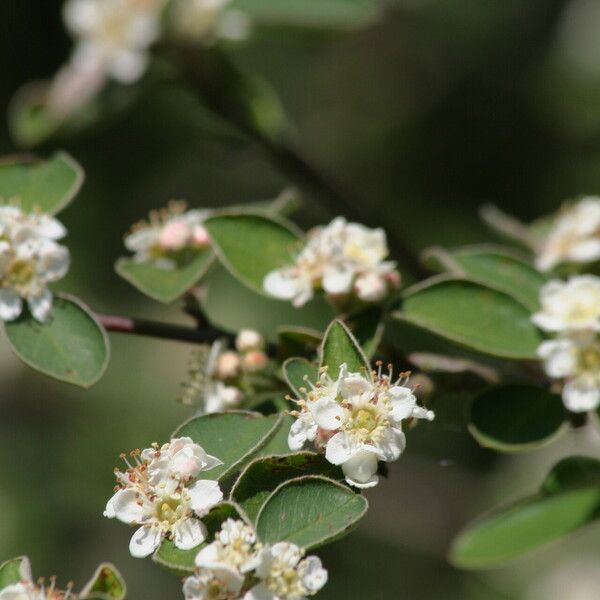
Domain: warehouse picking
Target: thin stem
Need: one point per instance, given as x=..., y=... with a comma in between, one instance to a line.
x=169, y=331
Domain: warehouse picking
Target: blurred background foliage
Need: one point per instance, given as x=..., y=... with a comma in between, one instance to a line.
x=440, y=107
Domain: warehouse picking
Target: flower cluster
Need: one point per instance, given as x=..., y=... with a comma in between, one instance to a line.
x=158, y=494
x=571, y=310
x=236, y=566
x=30, y=259
x=574, y=236
x=346, y=260
x=357, y=420
x=170, y=238
x=219, y=380
x=27, y=590
x=113, y=40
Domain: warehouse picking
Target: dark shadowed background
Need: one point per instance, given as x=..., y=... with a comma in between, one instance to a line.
x=444, y=105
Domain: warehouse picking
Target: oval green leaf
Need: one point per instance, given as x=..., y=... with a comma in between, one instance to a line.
x=473, y=316
x=181, y=562
x=164, y=285
x=71, y=346
x=106, y=584
x=262, y=476
x=339, y=347
x=233, y=437
x=252, y=245
x=522, y=527
x=495, y=267
x=47, y=185
x=517, y=418
x=309, y=511
x=570, y=473
x=232, y=306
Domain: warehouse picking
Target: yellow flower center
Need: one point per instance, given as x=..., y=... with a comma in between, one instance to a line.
x=169, y=510
x=21, y=272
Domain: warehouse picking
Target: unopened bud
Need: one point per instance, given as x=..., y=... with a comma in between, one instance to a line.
x=371, y=287
x=248, y=339
x=200, y=237
x=255, y=360
x=174, y=235
x=228, y=365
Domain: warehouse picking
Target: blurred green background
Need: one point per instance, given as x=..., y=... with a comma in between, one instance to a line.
x=440, y=107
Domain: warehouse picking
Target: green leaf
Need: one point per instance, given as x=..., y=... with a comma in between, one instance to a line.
x=309, y=511
x=473, y=316
x=496, y=267
x=232, y=306
x=70, y=346
x=181, y=562
x=14, y=570
x=517, y=418
x=572, y=472
x=339, y=347
x=311, y=13
x=278, y=444
x=262, y=476
x=165, y=285
x=252, y=245
x=106, y=584
x=233, y=437
x=47, y=185
x=297, y=371
x=523, y=527
x=297, y=341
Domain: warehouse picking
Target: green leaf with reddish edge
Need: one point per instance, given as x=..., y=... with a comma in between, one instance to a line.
x=70, y=346
x=14, y=570
x=181, y=562
x=473, y=316
x=165, y=285
x=517, y=418
x=263, y=475
x=106, y=584
x=252, y=245
x=233, y=437
x=309, y=511
x=47, y=185
x=339, y=347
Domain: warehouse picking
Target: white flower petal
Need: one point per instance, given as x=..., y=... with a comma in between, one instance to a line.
x=125, y=507
x=303, y=429
x=260, y=592
x=41, y=305
x=403, y=403
x=189, y=533
x=391, y=445
x=144, y=541
x=204, y=494
x=354, y=384
x=361, y=470
x=327, y=413
x=337, y=279
x=314, y=576
x=340, y=449
x=281, y=285
x=11, y=304
x=581, y=395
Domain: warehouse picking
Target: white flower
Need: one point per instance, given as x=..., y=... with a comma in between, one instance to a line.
x=220, y=397
x=573, y=305
x=284, y=574
x=575, y=359
x=170, y=237
x=209, y=586
x=574, y=236
x=248, y=339
x=30, y=259
x=155, y=494
x=358, y=421
x=341, y=258
x=113, y=36
x=231, y=555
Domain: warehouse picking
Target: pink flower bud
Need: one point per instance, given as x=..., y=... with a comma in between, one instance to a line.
x=255, y=360
x=174, y=235
x=248, y=339
x=228, y=365
x=371, y=287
